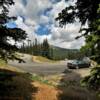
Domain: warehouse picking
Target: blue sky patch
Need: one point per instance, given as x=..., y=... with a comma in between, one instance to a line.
x=43, y=30
x=55, y=1
x=11, y=25
x=46, y=11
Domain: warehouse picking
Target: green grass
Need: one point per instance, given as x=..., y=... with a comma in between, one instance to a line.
x=2, y=62
x=41, y=80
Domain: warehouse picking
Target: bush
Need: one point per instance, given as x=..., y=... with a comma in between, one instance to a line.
x=75, y=93
x=16, y=85
x=93, y=80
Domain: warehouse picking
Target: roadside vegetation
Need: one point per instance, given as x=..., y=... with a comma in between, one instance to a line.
x=87, y=12
x=2, y=62
x=51, y=52
x=15, y=84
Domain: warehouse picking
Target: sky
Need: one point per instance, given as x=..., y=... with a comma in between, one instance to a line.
x=37, y=18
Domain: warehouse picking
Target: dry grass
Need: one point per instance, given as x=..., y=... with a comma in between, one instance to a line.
x=41, y=59
x=45, y=92
x=71, y=92
x=54, y=79
x=83, y=72
x=3, y=65
x=2, y=62
x=11, y=68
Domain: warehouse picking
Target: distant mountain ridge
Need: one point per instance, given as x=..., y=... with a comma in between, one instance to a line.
x=60, y=48
x=62, y=53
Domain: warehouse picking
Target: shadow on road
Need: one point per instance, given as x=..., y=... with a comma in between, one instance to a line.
x=70, y=88
x=16, y=86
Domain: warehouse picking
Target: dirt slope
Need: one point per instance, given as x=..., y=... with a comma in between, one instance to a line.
x=45, y=92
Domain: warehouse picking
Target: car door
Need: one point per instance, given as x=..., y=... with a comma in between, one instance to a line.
x=81, y=64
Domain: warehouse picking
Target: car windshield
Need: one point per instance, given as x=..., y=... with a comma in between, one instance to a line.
x=77, y=62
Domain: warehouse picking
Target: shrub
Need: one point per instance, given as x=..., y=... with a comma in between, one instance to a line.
x=93, y=80
x=75, y=93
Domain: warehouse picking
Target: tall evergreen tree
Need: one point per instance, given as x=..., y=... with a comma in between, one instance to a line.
x=87, y=11
x=7, y=50
x=45, y=48
x=35, y=46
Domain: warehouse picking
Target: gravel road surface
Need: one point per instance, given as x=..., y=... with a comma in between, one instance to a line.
x=39, y=68
x=45, y=68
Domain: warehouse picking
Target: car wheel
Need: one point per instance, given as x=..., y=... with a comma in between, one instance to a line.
x=77, y=67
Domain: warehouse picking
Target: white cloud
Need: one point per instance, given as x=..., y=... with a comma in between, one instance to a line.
x=17, y=9
x=44, y=19
x=30, y=30
x=30, y=22
x=67, y=34
x=32, y=13
x=27, y=28
x=57, y=7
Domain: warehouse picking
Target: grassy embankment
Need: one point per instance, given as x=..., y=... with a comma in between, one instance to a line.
x=41, y=59
x=16, y=84
x=2, y=62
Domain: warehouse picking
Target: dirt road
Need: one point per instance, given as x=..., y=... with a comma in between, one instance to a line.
x=44, y=68
x=39, y=68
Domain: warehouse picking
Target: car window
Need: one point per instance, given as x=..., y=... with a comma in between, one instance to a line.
x=75, y=62
x=81, y=62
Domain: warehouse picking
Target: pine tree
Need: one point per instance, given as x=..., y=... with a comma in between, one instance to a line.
x=7, y=50
x=87, y=11
x=45, y=48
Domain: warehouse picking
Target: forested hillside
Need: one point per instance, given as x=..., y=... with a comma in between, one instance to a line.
x=52, y=52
